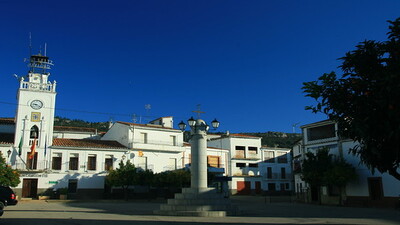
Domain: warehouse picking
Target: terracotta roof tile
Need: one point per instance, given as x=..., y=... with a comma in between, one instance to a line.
x=243, y=135
x=7, y=121
x=75, y=129
x=87, y=143
x=6, y=138
x=146, y=125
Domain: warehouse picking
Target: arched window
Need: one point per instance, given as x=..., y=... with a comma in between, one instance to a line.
x=34, y=132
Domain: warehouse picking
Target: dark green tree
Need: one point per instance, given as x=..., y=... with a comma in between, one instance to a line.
x=364, y=101
x=315, y=166
x=321, y=169
x=8, y=176
x=124, y=176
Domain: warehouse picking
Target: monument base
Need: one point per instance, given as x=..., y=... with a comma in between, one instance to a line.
x=204, y=202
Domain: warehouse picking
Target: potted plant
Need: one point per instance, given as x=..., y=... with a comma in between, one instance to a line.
x=63, y=193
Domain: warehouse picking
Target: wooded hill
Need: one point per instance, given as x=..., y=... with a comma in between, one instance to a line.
x=270, y=138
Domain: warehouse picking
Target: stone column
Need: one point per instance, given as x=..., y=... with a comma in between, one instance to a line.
x=199, y=156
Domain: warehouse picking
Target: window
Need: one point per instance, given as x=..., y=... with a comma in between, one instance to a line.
x=240, y=165
x=282, y=186
x=269, y=172
x=73, y=161
x=173, y=140
x=253, y=165
x=34, y=132
x=282, y=157
x=283, y=173
x=144, y=137
x=240, y=151
x=253, y=150
x=321, y=132
x=172, y=163
x=287, y=186
x=213, y=161
x=269, y=157
x=56, y=161
x=108, y=163
x=142, y=162
x=91, y=164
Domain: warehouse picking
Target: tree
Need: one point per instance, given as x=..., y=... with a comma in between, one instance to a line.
x=124, y=176
x=8, y=176
x=321, y=169
x=365, y=100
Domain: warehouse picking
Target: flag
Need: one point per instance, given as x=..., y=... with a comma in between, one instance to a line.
x=33, y=148
x=20, y=146
x=45, y=146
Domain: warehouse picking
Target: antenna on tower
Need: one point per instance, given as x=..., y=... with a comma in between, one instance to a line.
x=148, y=108
x=134, y=118
x=45, y=48
x=294, y=127
x=30, y=43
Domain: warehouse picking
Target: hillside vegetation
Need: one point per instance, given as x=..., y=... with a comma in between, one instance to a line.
x=270, y=138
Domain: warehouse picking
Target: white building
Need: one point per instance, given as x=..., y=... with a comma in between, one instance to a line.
x=276, y=170
x=368, y=189
x=255, y=169
x=50, y=157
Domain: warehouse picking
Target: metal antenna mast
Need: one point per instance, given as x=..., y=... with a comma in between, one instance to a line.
x=198, y=111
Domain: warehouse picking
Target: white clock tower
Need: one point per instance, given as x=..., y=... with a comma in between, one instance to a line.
x=35, y=111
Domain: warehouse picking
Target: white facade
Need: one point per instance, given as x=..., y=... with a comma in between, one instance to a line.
x=368, y=189
x=276, y=169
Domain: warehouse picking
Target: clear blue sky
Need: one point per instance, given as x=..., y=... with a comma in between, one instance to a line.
x=243, y=61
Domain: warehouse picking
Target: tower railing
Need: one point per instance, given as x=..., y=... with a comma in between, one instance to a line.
x=38, y=86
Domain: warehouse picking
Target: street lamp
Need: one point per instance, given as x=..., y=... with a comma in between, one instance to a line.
x=198, y=166
x=8, y=153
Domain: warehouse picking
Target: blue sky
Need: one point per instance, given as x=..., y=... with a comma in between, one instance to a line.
x=243, y=61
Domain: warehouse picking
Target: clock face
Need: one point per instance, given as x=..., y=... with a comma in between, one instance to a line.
x=36, y=104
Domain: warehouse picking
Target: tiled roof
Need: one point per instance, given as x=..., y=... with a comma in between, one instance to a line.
x=146, y=125
x=243, y=135
x=75, y=129
x=7, y=121
x=6, y=138
x=87, y=143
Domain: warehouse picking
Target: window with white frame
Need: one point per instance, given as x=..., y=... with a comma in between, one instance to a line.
x=73, y=161
x=56, y=161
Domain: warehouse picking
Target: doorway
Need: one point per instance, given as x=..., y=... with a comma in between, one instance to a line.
x=29, y=188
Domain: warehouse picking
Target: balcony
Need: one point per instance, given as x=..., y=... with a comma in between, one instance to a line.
x=167, y=146
x=38, y=166
x=246, y=171
x=38, y=86
x=278, y=176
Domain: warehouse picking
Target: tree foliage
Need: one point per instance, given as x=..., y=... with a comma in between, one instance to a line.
x=8, y=176
x=124, y=176
x=322, y=169
x=365, y=100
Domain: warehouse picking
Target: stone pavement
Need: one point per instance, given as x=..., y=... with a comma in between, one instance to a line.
x=254, y=209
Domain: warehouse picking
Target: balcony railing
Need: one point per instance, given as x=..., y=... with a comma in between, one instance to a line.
x=37, y=86
x=156, y=142
x=278, y=176
x=145, y=166
x=34, y=166
x=246, y=171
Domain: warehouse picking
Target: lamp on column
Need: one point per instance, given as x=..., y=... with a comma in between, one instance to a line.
x=8, y=153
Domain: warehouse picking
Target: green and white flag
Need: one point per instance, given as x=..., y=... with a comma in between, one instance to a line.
x=20, y=146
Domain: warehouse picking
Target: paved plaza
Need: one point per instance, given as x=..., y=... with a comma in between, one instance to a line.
x=255, y=210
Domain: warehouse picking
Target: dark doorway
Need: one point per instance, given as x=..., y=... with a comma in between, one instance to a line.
x=258, y=187
x=29, y=188
x=375, y=188
x=314, y=193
